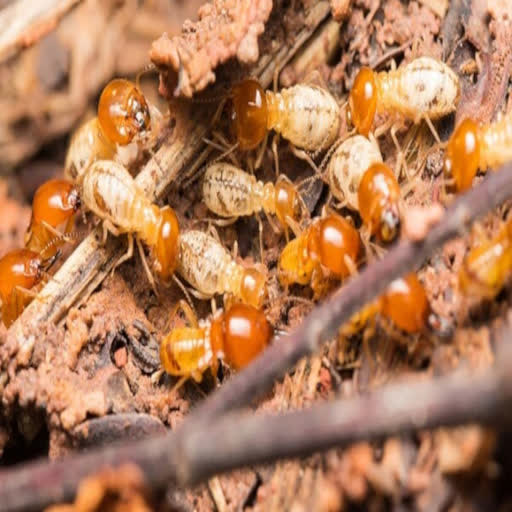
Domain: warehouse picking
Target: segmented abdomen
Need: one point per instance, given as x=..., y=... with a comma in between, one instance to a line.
x=202, y=262
x=230, y=192
x=308, y=116
x=424, y=87
x=188, y=350
x=347, y=166
x=112, y=194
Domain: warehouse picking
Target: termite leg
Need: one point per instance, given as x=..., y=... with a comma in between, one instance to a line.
x=260, y=233
x=127, y=255
x=149, y=274
x=432, y=129
x=400, y=154
x=275, y=140
x=179, y=383
x=304, y=155
x=189, y=313
x=261, y=152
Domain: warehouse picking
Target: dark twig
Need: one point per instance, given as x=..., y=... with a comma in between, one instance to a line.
x=203, y=447
x=191, y=456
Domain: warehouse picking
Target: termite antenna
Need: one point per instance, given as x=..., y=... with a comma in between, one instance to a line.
x=148, y=68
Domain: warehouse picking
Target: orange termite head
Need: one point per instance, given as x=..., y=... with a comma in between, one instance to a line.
x=123, y=112
x=55, y=202
x=166, y=250
x=239, y=335
x=362, y=101
x=253, y=289
x=330, y=241
x=248, y=114
x=462, y=156
x=287, y=203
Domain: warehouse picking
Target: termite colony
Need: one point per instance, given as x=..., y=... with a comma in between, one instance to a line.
x=320, y=246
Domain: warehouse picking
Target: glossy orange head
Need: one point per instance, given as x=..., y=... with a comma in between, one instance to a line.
x=362, y=101
x=55, y=202
x=243, y=332
x=123, y=112
x=166, y=250
x=249, y=113
x=331, y=241
x=378, y=199
x=253, y=289
x=462, y=157
x=287, y=202
x=405, y=303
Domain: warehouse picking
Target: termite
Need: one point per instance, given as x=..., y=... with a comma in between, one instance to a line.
x=475, y=146
x=486, y=268
x=21, y=271
x=235, y=336
x=330, y=246
x=230, y=193
x=306, y=115
x=206, y=265
x=425, y=89
x=124, y=116
x=359, y=179
x=110, y=192
x=54, y=207
x=404, y=303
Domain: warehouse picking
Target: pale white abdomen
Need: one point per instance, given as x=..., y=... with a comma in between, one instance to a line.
x=347, y=166
x=425, y=87
x=496, y=143
x=230, y=192
x=307, y=116
x=109, y=191
x=203, y=262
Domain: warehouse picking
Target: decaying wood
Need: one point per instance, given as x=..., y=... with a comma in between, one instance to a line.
x=179, y=157
x=204, y=446
x=25, y=22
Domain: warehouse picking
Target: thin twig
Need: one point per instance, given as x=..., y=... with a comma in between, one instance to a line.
x=203, y=447
x=194, y=455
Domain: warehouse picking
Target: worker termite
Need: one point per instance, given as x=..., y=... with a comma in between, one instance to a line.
x=486, y=268
x=230, y=193
x=205, y=264
x=306, y=115
x=329, y=247
x=54, y=207
x=124, y=116
x=475, y=146
x=425, y=89
x=235, y=336
x=21, y=271
x=110, y=192
x=358, y=178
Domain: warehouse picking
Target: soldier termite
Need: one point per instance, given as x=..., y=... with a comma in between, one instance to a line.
x=54, y=207
x=425, y=89
x=110, y=192
x=329, y=247
x=206, y=265
x=475, y=146
x=235, y=336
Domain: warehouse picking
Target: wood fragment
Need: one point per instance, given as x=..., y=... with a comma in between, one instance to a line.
x=24, y=22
